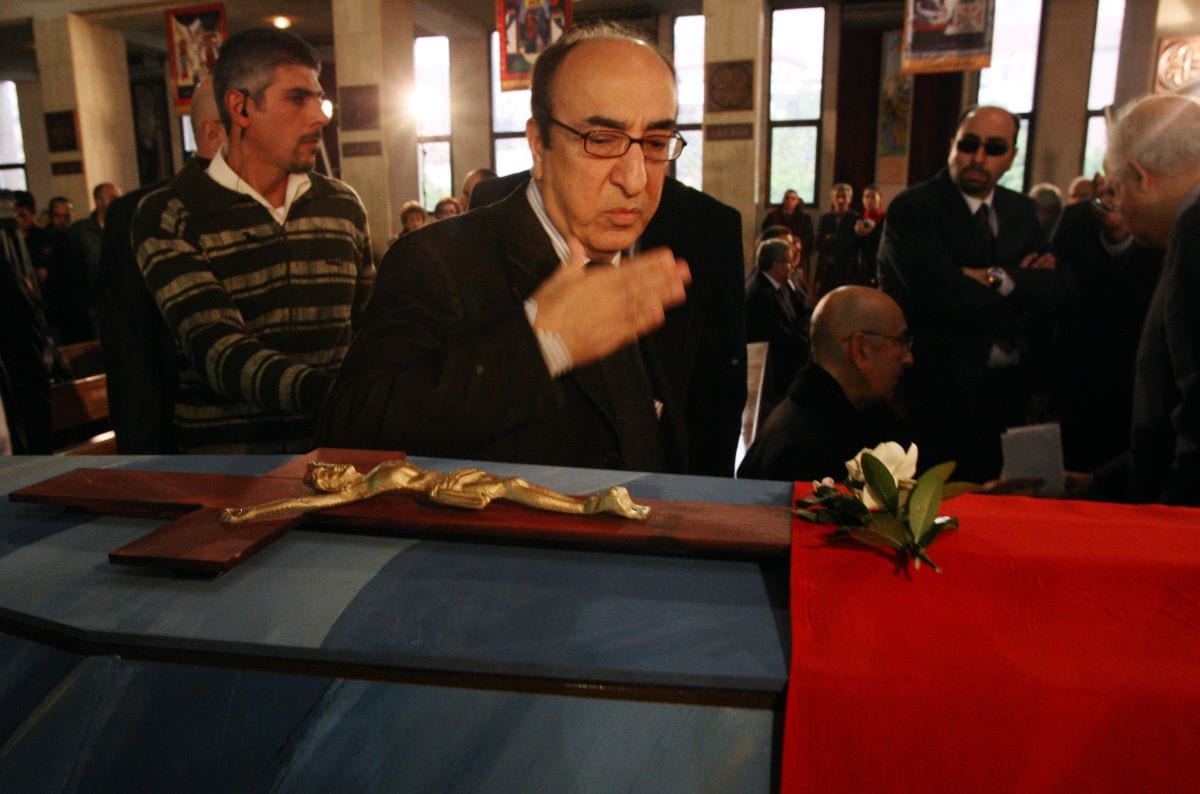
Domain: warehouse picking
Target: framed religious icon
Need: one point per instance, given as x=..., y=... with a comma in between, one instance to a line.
x=527, y=28
x=947, y=35
x=1178, y=66
x=729, y=85
x=62, y=134
x=194, y=39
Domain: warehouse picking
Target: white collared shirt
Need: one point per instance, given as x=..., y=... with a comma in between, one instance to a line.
x=223, y=175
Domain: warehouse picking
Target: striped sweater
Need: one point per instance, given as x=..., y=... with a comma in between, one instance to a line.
x=262, y=313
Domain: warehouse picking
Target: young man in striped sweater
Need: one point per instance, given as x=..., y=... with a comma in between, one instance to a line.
x=260, y=266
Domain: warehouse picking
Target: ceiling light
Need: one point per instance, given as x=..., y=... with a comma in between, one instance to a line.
x=283, y=23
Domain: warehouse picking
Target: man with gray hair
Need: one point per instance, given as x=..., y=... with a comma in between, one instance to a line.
x=839, y=403
x=775, y=314
x=1153, y=168
x=260, y=265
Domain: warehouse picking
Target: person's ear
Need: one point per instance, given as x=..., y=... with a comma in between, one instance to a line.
x=856, y=350
x=237, y=104
x=1142, y=176
x=533, y=136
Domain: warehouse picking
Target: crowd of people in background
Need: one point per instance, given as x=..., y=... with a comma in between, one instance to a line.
x=956, y=310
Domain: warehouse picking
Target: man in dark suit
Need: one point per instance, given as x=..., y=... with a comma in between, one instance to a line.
x=703, y=338
x=488, y=338
x=774, y=314
x=1112, y=277
x=1153, y=164
x=961, y=255
x=791, y=213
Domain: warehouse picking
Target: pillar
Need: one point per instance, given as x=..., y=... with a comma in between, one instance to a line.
x=82, y=71
x=1064, y=71
x=470, y=105
x=735, y=139
x=373, y=49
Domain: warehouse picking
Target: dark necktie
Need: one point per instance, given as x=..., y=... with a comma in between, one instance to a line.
x=984, y=216
x=631, y=399
x=784, y=294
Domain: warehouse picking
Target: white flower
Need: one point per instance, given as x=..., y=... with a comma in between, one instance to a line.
x=902, y=465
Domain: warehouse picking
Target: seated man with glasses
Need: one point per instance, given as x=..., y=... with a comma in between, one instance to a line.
x=964, y=257
x=839, y=404
x=491, y=336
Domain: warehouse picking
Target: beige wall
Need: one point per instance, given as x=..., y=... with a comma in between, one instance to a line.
x=82, y=68
x=101, y=77
x=735, y=31
x=33, y=132
x=1064, y=67
x=470, y=106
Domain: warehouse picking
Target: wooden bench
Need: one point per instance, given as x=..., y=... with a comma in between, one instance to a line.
x=79, y=416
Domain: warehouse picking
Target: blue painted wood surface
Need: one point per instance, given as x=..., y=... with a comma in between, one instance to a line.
x=72, y=723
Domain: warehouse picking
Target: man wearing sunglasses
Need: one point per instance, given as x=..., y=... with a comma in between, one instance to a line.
x=527, y=330
x=962, y=256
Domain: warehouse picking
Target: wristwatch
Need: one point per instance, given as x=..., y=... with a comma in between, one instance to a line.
x=995, y=277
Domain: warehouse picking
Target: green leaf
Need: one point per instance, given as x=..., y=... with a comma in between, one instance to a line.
x=890, y=527
x=953, y=489
x=807, y=515
x=940, y=525
x=942, y=471
x=925, y=500
x=872, y=538
x=881, y=482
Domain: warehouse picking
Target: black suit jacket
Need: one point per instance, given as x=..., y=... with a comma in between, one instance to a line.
x=1097, y=340
x=447, y=364
x=704, y=340
x=815, y=430
x=139, y=349
x=929, y=236
x=787, y=337
x=1165, y=452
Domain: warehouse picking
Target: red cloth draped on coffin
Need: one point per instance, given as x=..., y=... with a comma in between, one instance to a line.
x=1059, y=651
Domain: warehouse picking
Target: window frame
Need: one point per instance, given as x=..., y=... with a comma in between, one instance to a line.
x=816, y=122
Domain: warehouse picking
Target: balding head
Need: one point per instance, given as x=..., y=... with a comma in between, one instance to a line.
x=1153, y=163
x=206, y=121
x=860, y=337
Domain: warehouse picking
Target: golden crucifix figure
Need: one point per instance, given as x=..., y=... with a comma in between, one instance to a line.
x=340, y=483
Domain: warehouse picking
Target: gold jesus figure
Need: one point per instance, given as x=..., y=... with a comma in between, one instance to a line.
x=340, y=483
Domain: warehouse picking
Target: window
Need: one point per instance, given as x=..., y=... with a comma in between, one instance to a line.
x=797, y=52
x=1110, y=17
x=689, y=70
x=510, y=111
x=1009, y=81
x=12, y=145
x=429, y=104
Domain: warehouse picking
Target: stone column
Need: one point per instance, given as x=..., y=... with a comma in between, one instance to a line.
x=82, y=71
x=1064, y=70
x=373, y=47
x=735, y=140
x=470, y=105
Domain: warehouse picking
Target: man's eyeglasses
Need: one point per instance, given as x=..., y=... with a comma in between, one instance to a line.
x=1105, y=201
x=993, y=147
x=660, y=146
x=905, y=339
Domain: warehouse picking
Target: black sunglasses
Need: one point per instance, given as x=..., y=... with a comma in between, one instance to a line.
x=992, y=146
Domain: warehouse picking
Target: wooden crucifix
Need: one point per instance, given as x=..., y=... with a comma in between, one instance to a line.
x=196, y=540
